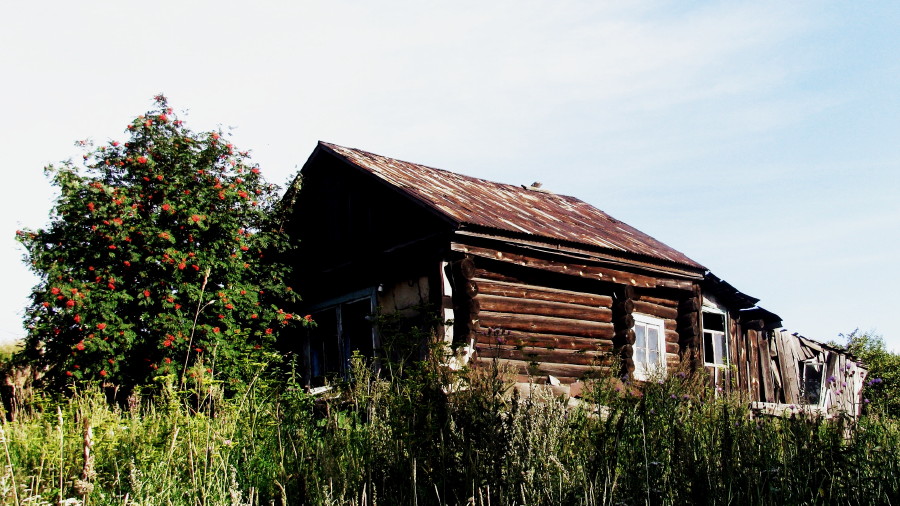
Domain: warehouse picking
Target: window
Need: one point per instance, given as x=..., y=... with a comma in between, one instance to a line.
x=342, y=327
x=811, y=375
x=649, y=347
x=715, y=342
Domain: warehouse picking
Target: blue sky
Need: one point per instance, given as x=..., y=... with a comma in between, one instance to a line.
x=761, y=139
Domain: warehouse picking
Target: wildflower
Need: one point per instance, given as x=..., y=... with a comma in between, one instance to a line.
x=103, y=372
x=101, y=326
x=831, y=379
x=142, y=159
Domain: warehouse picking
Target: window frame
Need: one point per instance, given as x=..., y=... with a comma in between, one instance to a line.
x=343, y=344
x=822, y=366
x=643, y=370
x=726, y=357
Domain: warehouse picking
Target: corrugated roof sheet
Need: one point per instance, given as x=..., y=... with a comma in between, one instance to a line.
x=473, y=201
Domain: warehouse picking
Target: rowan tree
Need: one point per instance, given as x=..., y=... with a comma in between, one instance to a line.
x=161, y=257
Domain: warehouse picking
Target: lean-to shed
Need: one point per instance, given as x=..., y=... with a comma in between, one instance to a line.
x=546, y=283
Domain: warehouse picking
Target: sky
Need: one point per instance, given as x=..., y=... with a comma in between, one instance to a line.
x=762, y=139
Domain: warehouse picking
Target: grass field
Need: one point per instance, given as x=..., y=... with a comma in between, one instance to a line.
x=408, y=441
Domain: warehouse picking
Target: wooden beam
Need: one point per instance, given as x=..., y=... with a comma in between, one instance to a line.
x=546, y=324
x=544, y=369
x=543, y=355
x=526, y=291
x=574, y=269
x=501, y=304
x=550, y=341
x=655, y=310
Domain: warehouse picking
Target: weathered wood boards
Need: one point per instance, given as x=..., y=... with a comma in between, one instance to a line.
x=543, y=317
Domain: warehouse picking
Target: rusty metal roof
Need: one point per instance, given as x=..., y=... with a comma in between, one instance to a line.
x=472, y=201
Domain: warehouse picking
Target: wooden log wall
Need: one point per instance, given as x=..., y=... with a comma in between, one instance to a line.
x=623, y=339
x=690, y=335
x=541, y=330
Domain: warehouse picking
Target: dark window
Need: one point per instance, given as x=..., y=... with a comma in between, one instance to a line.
x=340, y=330
x=811, y=382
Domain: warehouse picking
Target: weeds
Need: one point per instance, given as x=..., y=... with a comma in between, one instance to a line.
x=410, y=440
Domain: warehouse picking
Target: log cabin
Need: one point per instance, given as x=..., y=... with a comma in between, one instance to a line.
x=549, y=285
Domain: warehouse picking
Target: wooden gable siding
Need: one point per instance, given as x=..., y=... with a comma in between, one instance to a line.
x=350, y=233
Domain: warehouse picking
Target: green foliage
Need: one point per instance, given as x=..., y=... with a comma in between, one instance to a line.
x=882, y=387
x=160, y=254
x=411, y=440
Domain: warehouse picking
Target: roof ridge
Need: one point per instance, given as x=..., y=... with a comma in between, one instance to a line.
x=332, y=146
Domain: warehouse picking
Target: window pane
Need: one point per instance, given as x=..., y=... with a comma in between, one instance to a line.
x=639, y=339
x=722, y=349
x=654, y=358
x=717, y=348
x=812, y=382
x=714, y=321
x=708, y=347
x=653, y=338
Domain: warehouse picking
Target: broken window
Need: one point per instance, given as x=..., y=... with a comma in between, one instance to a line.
x=715, y=342
x=812, y=373
x=649, y=350
x=340, y=330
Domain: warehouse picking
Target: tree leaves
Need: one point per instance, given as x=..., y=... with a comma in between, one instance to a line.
x=153, y=244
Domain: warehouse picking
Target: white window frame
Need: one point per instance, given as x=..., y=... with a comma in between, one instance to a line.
x=823, y=369
x=643, y=369
x=708, y=361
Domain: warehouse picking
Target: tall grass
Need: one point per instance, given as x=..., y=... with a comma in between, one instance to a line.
x=413, y=440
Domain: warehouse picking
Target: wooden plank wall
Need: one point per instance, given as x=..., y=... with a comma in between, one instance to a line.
x=778, y=358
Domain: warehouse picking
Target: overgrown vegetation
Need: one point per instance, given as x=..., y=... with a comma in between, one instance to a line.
x=408, y=441
x=883, y=385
